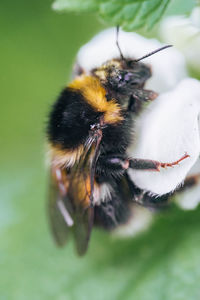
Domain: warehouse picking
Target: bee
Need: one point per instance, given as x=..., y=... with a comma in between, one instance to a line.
x=90, y=128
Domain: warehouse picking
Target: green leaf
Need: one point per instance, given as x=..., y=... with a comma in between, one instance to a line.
x=129, y=14
x=68, y=5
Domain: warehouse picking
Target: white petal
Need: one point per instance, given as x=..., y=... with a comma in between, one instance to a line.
x=165, y=131
x=196, y=168
x=189, y=199
x=168, y=66
x=195, y=17
x=184, y=33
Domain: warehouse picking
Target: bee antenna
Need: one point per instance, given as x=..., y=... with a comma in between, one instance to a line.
x=152, y=53
x=117, y=43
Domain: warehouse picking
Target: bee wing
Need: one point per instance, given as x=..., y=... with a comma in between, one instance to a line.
x=80, y=193
x=69, y=209
x=58, y=205
x=71, y=197
x=83, y=223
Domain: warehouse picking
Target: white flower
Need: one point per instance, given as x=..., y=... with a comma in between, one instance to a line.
x=168, y=67
x=168, y=127
x=184, y=33
x=166, y=130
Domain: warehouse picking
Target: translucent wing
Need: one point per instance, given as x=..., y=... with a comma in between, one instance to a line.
x=79, y=195
x=60, y=229
x=70, y=200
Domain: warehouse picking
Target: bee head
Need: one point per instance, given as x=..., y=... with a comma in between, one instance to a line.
x=122, y=76
x=133, y=75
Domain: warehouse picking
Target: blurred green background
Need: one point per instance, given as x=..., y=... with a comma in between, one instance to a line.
x=38, y=47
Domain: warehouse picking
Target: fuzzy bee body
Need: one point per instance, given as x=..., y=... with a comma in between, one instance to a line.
x=90, y=129
x=94, y=116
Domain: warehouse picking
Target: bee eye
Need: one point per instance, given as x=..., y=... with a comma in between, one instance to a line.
x=127, y=77
x=124, y=77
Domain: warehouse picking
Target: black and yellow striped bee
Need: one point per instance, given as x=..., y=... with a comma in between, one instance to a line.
x=90, y=128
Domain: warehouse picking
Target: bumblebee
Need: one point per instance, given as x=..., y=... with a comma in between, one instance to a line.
x=90, y=128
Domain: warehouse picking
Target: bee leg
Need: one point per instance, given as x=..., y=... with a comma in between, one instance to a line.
x=159, y=202
x=112, y=164
x=118, y=164
x=154, y=202
x=152, y=165
x=138, y=97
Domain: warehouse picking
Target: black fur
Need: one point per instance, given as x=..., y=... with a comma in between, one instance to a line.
x=117, y=137
x=70, y=120
x=114, y=211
